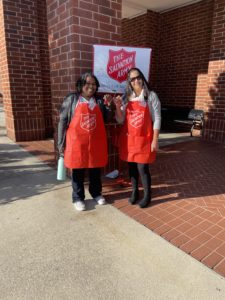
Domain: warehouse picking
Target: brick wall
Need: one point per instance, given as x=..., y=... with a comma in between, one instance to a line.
x=22, y=81
x=189, y=61
x=185, y=36
x=215, y=118
x=143, y=31
x=180, y=40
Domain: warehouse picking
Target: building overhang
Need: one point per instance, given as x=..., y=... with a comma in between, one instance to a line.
x=133, y=8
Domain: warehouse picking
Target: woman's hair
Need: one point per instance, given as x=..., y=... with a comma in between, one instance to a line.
x=129, y=89
x=83, y=79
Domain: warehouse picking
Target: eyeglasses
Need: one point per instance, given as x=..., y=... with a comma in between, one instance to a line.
x=90, y=83
x=136, y=78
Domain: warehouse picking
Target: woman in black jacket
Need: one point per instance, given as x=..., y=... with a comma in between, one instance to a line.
x=82, y=138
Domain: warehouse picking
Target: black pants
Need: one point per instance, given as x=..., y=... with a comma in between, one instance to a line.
x=95, y=183
x=136, y=169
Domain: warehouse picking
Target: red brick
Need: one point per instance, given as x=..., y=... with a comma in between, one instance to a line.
x=213, y=243
x=153, y=225
x=193, y=232
x=221, y=223
x=212, y=260
x=107, y=11
x=214, y=230
x=220, y=268
x=175, y=222
x=142, y=218
x=162, y=229
x=205, y=225
x=203, y=237
x=184, y=227
x=221, y=235
x=120, y=204
x=190, y=246
x=180, y=240
x=195, y=220
x=221, y=249
x=201, y=252
x=170, y=235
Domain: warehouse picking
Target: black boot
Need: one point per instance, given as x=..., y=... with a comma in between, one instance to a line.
x=134, y=197
x=146, y=200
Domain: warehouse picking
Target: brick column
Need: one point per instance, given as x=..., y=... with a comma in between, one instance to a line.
x=215, y=120
x=45, y=67
x=21, y=70
x=73, y=27
x=4, y=74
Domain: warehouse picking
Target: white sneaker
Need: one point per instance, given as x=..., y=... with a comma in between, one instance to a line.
x=79, y=205
x=100, y=200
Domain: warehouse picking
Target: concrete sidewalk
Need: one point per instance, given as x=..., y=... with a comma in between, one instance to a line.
x=50, y=251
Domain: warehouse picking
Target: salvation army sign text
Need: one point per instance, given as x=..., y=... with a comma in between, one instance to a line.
x=111, y=64
x=119, y=64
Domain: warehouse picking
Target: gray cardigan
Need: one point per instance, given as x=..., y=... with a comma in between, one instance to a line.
x=154, y=108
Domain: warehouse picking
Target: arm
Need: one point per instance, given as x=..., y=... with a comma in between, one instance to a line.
x=155, y=109
x=64, y=120
x=154, y=145
x=120, y=109
x=106, y=107
x=115, y=105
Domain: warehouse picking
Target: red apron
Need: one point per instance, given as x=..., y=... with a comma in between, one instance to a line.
x=86, y=142
x=137, y=134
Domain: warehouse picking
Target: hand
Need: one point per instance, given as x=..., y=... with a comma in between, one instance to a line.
x=108, y=99
x=118, y=101
x=154, y=145
x=61, y=152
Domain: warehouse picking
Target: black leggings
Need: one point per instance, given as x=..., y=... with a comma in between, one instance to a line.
x=136, y=169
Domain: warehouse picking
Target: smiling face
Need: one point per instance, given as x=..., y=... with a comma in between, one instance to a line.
x=89, y=88
x=136, y=81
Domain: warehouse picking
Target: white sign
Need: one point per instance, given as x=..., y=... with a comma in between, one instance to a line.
x=111, y=64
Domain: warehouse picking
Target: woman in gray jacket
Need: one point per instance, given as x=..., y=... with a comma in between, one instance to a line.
x=139, y=112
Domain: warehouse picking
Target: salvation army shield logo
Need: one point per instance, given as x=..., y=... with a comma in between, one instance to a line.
x=137, y=118
x=88, y=121
x=119, y=63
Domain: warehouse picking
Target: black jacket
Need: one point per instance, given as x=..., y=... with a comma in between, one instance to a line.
x=66, y=114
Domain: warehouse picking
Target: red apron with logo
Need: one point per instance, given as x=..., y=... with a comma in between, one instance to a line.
x=86, y=142
x=137, y=134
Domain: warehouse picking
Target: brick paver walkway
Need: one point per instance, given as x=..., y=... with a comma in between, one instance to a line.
x=188, y=205
x=44, y=150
